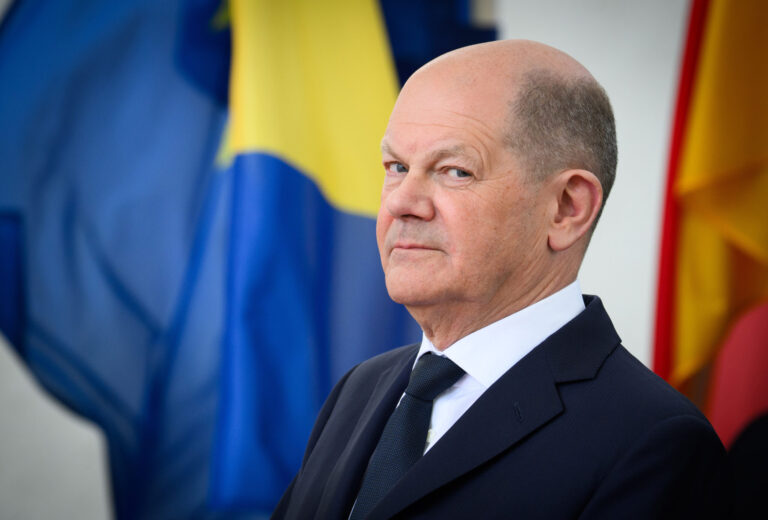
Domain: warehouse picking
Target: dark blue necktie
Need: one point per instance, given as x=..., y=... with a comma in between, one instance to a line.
x=405, y=434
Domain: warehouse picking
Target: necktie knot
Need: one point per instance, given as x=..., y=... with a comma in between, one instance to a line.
x=431, y=376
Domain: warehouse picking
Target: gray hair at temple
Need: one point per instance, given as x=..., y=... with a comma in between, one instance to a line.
x=559, y=123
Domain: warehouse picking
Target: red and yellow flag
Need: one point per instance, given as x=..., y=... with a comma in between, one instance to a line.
x=714, y=254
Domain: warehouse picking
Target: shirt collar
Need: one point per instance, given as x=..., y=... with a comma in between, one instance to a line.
x=488, y=353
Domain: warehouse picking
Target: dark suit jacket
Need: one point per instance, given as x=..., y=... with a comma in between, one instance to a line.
x=578, y=428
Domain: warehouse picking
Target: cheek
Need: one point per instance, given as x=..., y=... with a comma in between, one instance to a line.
x=490, y=239
x=470, y=241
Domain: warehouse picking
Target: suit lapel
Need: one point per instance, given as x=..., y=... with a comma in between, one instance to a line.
x=520, y=402
x=523, y=400
x=344, y=478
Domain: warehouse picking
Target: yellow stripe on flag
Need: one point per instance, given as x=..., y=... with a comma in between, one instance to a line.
x=722, y=185
x=313, y=84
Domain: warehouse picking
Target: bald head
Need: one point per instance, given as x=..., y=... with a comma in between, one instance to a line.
x=508, y=60
x=550, y=110
x=491, y=183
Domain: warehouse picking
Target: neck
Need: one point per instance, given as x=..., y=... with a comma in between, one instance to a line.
x=446, y=323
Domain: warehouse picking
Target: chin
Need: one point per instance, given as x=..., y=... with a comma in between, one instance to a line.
x=410, y=294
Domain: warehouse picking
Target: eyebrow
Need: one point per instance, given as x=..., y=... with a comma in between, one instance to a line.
x=451, y=151
x=436, y=155
x=385, y=148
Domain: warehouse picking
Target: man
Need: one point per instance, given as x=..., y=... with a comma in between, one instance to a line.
x=497, y=160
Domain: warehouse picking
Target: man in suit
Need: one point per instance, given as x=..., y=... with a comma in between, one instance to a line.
x=498, y=158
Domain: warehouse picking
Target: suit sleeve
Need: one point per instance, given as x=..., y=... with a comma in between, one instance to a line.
x=677, y=470
x=317, y=429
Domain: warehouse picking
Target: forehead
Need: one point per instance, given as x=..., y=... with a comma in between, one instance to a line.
x=449, y=113
x=434, y=94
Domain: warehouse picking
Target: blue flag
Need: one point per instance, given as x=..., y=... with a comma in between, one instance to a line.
x=112, y=223
x=196, y=298
x=305, y=291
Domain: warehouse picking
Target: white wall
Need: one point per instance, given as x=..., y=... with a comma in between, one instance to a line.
x=4, y=5
x=52, y=463
x=634, y=51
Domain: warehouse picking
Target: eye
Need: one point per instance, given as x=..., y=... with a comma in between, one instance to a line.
x=457, y=173
x=396, y=167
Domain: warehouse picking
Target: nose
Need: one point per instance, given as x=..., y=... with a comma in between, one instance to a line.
x=412, y=197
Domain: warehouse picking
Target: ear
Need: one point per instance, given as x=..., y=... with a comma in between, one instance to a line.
x=578, y=195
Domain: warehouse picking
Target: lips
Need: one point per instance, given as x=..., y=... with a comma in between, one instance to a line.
x=411, y=245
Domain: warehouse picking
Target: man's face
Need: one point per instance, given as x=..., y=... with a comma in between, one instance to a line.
x=458, y=224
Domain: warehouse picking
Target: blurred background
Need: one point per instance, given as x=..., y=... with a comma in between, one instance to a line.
x=187, y=251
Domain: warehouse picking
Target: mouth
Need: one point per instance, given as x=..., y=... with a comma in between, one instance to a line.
x=411, y=246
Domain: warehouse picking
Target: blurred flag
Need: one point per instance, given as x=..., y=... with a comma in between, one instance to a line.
x=312, y=87
x=714, y=259
x=112, y=229
x=198, y=304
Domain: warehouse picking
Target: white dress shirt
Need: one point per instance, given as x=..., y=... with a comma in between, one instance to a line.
x=486, y=354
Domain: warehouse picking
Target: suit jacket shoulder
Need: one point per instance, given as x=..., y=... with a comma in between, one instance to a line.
x=577, y=428
x=356, y=382
x=345, y=434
